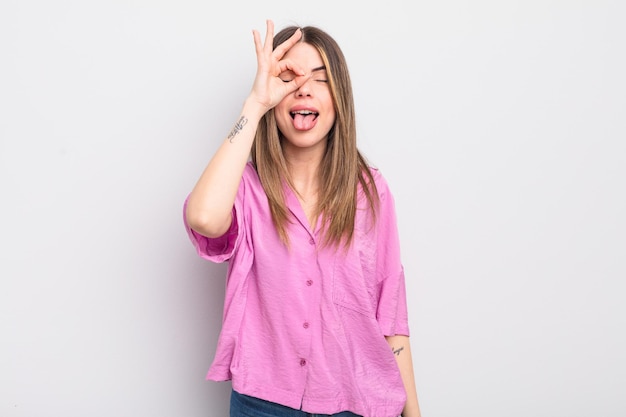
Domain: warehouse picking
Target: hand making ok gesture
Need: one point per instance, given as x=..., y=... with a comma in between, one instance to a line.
x=269, y=89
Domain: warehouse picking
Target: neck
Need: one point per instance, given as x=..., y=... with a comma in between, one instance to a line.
x=303, y=169
x=304, y=177
x=305, y=180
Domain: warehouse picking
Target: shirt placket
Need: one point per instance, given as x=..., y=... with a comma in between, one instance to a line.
x=310, y=282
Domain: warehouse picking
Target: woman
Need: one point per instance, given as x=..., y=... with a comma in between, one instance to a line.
x=315, y=316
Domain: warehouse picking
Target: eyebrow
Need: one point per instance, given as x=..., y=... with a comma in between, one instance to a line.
x=322, y=68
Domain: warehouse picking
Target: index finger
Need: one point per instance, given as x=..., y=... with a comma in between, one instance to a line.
x=282, y=49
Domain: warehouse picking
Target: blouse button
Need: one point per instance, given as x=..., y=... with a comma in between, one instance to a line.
x=302, y=362
x=311, y=241
x=305, y=325
x=309, y=282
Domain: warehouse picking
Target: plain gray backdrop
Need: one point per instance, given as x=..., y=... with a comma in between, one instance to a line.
x=500, y=126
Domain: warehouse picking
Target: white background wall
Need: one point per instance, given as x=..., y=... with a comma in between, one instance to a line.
x=499, y=124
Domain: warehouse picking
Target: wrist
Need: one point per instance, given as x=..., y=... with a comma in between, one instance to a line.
x=253, y=109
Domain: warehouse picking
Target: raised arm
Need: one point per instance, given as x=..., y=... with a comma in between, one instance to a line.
x=209, y=208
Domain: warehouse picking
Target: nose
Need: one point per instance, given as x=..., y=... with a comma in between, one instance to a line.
x=304, y=89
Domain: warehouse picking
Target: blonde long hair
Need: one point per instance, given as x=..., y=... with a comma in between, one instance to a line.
x=343, y=168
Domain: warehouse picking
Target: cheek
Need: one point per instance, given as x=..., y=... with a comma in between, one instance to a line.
x=332, y=117
x=282, y=118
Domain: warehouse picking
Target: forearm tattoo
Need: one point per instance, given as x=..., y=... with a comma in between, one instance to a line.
x=237, y=128
x=397, y=351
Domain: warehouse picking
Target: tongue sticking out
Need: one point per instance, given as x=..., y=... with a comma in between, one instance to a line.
x=304, y=121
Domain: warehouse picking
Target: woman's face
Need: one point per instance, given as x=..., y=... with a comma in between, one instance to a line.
x=305, y=116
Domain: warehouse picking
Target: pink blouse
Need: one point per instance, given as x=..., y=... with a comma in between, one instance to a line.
x=304, y=326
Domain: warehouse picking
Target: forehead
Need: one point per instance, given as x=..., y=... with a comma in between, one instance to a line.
x=305, y=55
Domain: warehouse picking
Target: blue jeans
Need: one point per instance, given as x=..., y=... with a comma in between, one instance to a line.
x=246, y=406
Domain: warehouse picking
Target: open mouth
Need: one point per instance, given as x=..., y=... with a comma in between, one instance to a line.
x=303, y=113
x=304, y=119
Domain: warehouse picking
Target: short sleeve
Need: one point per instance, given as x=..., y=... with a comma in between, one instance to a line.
x=391, y=311
x=219, y=249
